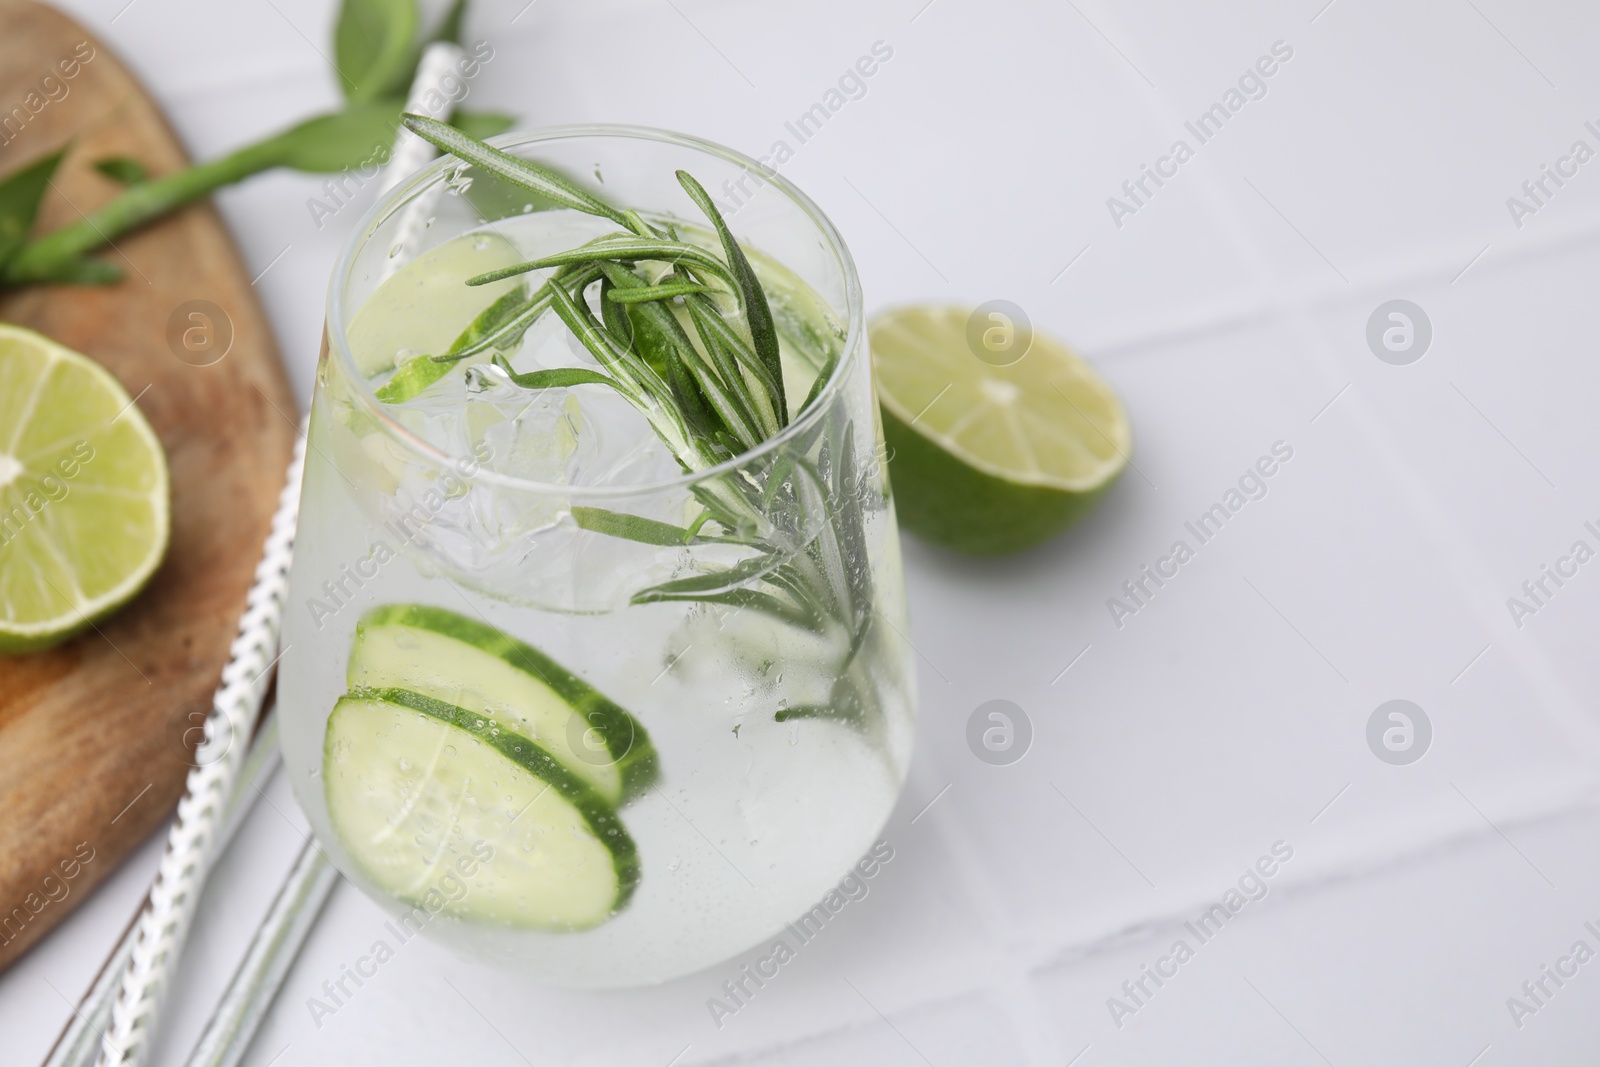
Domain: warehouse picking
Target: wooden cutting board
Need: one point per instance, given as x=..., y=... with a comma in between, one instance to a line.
x=97, y=734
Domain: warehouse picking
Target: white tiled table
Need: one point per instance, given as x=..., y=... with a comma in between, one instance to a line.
x=1230, y=712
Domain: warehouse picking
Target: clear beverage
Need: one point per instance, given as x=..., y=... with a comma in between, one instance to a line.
x=567, y=737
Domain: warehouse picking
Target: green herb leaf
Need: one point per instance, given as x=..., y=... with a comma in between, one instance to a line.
x=656, y=292
x=531, y=176
x=482, y=124
x=630, y=380
x=622, y=247
x=20, y=194
x=721, y=343
x=631, y=527
x=848, y=527
x=123, y=169
x=736, y=596
x=556, y=377
x=728, y=402
x=722, y=580
x=756, y=312
x=372, y=47
x=358, y=135
x=615, y=318
x=821, y=381
x=811, y=711
x=82, y=271
x=664, y=347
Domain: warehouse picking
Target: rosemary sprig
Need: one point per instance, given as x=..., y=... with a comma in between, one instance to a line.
x=709, y=379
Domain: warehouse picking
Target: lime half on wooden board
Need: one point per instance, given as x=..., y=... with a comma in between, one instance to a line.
x=84, y=511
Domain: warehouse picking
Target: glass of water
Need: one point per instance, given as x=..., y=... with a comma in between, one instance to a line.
x=594, y=661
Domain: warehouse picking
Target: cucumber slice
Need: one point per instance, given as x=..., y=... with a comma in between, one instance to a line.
x=470, y=664
x=448, y=813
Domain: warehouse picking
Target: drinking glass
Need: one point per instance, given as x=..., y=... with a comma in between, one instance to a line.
x=527, y=705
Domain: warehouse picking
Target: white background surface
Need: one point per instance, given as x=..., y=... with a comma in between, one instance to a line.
x=1230, y=311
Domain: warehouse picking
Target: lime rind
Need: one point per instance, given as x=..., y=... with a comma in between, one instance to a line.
x=986, y=459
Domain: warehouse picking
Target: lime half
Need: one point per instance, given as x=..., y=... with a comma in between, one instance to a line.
x=991, y=459
x=83, y=493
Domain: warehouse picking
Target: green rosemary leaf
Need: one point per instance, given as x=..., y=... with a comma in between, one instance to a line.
x=372, y=47
x=662, y=344
x=721, y=342
x=635, y=222
x=722, y=580
x=734, y=520
x=756, y=312
x=556, y=377
x=727, y=403
x=700, y=520
x=822, y=472
x=777, y=477
x=756, y=411
x=657, y=292
x=340, y=141
x=699, y=413
x=771, y=605
x=794, y=582
x=583, y=328
x=631, y=527
x=821, y=382
x=20, y=194
x=848, y=526
x=482, y=124
x=625, y=248
x=730, y=443
x=728, y=586
x=815, y=711
x=823, y=552
x=634, y=379
x=615, y=319
x=122, y=169
x=521, y=172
